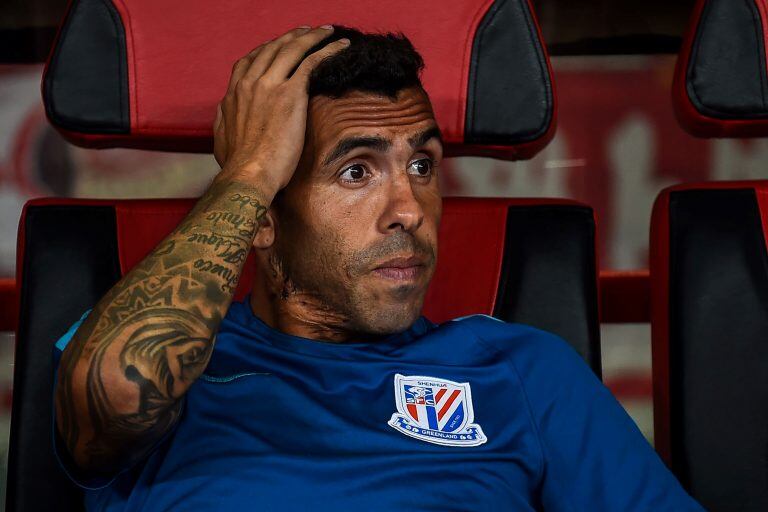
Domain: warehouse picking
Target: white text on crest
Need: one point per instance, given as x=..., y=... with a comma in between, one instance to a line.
x=432, y=384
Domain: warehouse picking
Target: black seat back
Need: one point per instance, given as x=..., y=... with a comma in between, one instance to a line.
x=710, y=341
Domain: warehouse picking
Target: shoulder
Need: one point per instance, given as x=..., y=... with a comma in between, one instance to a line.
x=518, y=341
x=534, y=354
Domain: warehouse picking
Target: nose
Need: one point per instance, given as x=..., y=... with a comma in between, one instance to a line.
x=403, y=208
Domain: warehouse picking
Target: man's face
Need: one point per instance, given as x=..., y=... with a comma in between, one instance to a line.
x=356, y=228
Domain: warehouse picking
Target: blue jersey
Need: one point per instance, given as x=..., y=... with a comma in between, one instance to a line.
x=471, y=415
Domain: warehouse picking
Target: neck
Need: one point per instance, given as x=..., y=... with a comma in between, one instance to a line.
x=283, y=308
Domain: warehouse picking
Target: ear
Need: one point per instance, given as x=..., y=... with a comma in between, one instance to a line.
x=265, y=236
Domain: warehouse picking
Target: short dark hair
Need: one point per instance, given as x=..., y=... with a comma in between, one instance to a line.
x=378, y=63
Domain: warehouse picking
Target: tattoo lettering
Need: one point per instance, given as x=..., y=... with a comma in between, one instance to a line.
x=246, y=200
x=225, y=273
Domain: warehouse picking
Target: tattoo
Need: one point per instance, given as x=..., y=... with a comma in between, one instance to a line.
x=246, y=200
x=155, y=329
x=224, y=272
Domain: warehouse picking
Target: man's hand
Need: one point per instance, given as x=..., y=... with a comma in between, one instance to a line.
x=260, y=123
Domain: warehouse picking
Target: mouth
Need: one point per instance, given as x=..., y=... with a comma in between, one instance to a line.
x=401, y=269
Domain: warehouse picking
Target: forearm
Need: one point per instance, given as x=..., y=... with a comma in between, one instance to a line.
x=125, y=370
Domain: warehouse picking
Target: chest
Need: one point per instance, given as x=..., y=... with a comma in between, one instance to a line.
x=417, y=438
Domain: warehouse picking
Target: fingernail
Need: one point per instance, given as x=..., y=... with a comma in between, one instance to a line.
x=344, y=40
x=327, y=27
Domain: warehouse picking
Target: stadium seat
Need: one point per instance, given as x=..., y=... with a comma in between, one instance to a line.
x=720, y=87
x=709, y=268
x=709, y=273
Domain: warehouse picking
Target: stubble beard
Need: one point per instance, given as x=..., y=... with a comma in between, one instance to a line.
x=333, y=289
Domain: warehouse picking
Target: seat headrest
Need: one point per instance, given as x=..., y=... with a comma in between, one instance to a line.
x=720, y=87
x=148, y=74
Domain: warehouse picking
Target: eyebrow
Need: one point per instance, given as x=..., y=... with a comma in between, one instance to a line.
x=421, y=138
x=344, y=146
x=379, y=144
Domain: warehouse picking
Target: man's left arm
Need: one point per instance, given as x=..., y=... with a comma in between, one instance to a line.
x=595, y=457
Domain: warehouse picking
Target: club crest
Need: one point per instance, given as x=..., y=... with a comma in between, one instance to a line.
x=435, y=410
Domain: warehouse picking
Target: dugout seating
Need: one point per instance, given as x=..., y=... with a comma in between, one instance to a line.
x=120, y=75
x=709, y=273
x=709, y=270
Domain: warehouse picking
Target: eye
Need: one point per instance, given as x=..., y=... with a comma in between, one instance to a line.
x=421, y=168
x=354, y=173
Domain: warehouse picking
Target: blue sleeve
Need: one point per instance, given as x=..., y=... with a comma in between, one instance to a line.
x=595, y=457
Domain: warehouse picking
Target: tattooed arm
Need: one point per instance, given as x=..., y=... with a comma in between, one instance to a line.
x=124, y=374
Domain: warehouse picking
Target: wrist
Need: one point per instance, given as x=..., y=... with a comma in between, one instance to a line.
x=254, y=178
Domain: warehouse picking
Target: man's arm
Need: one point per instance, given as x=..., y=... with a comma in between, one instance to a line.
x=595, y=457
x=123, y=375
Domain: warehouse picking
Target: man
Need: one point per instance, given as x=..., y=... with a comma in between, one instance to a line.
x=326, y=390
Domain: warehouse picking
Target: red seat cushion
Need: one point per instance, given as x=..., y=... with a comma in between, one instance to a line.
x=148, y=74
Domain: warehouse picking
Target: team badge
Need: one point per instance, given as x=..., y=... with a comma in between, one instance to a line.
x=435, y=410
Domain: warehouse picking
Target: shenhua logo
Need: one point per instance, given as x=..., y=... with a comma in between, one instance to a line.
x=435, y=410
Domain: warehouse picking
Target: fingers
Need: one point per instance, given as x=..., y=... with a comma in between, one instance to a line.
x=290, y=54
x=271, y=61
x=311, y=62
x=245, y=63
x=251, y=67
x=217, y=121
x=219, y=138
x=261, y=62
x=240, y=67
x=278, y=57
